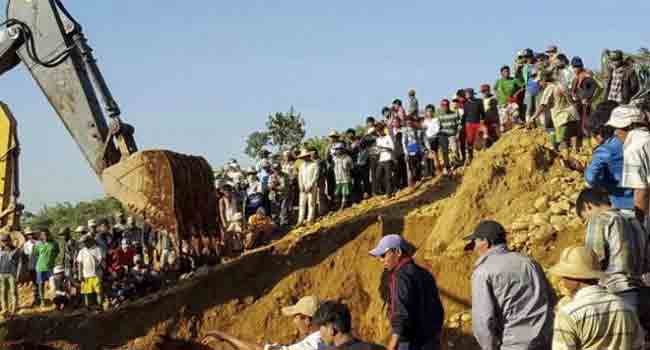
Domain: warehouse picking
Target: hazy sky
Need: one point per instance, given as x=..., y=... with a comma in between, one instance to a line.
x=199, y=76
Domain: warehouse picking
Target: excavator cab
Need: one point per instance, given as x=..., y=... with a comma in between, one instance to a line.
x=171, y=191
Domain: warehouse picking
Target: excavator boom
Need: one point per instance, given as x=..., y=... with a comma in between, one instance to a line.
x=169, y=190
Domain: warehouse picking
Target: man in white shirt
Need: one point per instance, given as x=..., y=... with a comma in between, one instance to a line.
x=631, y=130
x=308, y=177
x=386, y=147
x=90, y=258
x=29, y=251
x=302, y=314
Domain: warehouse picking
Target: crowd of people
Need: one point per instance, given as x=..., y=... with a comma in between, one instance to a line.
x=408, y=143
x=514, y=305
x=108, y=264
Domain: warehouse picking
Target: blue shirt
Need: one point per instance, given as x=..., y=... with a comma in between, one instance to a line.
x=606, y=170
x=264, y=176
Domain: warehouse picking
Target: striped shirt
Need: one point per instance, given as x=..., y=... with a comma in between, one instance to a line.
x=621, y=245
x=449, y=123
x=597, y=320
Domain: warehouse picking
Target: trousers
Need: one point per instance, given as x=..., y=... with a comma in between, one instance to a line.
x=8, y=292
x=307, y=205
x=385, y=176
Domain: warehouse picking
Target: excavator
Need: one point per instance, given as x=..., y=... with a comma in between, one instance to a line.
x=10, y=209
x=170, y=191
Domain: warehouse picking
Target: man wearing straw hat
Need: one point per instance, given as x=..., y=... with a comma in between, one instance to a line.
x=308, y=185
x=302, y=313
x=593, y=318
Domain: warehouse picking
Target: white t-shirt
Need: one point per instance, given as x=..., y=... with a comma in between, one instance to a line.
x=432, y=127
x=311, y=342
x=636, y=160
x=28, y=249
x=89, y=259
x=386, y=147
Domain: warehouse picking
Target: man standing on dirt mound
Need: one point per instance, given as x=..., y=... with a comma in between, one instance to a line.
x=512, y=301
x=415, y=310
x=302, y=313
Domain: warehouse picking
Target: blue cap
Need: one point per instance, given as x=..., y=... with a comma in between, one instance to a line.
x=387, y=243
x=577, y=62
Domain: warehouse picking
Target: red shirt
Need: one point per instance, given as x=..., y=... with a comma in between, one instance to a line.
x=121, y=258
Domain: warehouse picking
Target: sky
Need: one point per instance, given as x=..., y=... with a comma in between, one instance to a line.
x=199, y=76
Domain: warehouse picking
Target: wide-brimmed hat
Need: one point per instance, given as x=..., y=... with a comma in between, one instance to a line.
x=306, y=306
x=305, y=153
x=334, y=134
x=578, y=263
x=29, y=231
x=80, y=229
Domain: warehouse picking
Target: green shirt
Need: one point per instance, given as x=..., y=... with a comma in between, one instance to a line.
x=46, y=253
x=505, y=88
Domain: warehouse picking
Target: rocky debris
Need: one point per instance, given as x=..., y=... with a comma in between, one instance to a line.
x=541, y=204
x=543, y=234
x=459, y=319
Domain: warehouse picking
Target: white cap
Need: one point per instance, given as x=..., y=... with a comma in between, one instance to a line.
x=624, y=116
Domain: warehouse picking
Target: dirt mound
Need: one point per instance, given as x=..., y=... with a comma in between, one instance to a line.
x=518, y=182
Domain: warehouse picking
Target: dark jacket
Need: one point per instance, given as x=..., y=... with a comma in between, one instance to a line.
x=474, y=111
x=630, y=84
x=416, y=312
x=584, y=86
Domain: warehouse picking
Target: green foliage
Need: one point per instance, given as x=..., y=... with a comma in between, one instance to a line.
x=66, y=214
x=318, y=144
x=285, y=130
x=255, y=142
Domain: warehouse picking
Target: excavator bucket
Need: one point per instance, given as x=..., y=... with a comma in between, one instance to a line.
x=171, y=191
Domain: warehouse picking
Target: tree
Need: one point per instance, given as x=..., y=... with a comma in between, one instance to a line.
x=285, y=130
x=255, y=143
x=66, y=214
x=318, y=144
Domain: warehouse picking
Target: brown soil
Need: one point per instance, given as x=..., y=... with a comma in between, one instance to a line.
x=518, y=182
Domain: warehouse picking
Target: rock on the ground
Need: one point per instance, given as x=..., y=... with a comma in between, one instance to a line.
x=540, y=219
x=544, y=234
x=519, y=226
x=541, y=204
x=557, y=220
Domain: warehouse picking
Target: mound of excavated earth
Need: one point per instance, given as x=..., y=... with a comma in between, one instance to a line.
x=518, y=182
